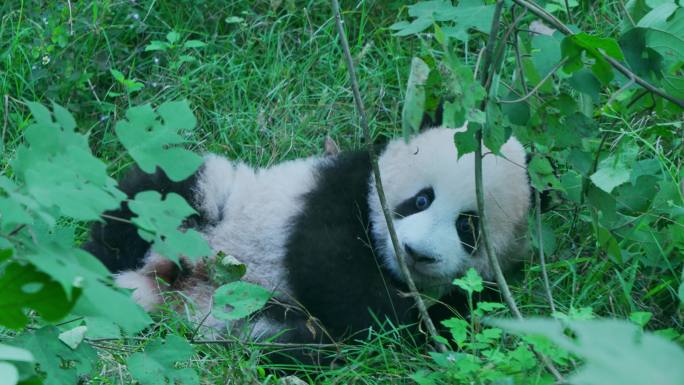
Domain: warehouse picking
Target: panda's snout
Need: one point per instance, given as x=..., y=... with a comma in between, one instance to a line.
x=417, y=257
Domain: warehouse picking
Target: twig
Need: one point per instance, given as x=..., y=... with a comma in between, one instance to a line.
x=540, y=245
x=5, y=122
x=422, y=309
x=567, y=10
x=493, y=261
x=549, y=18
x=71, y=20
x=537, y=87
x=479, y=188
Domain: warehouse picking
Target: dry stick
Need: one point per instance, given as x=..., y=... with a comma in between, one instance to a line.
x=540, y=245
x=537, y=197
x=549, y=18
x=479, y=189
x=422, y=309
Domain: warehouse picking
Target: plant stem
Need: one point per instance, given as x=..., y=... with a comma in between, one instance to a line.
x=549, y=18
x=398, y=251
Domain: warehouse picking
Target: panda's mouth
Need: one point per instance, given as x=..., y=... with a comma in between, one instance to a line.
x=419, y=258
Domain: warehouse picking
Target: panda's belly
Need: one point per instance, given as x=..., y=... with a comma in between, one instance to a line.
x=257, y=218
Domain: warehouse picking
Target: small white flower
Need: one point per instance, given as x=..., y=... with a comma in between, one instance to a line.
x=136, y=16
x=156, y=60
x=46, y=60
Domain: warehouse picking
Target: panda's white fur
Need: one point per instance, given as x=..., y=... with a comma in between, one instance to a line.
x=257, y=216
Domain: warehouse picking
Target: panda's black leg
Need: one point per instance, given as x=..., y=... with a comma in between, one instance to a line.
x=115, y=241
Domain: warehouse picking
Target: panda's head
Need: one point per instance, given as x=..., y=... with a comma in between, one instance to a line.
x=431, y=193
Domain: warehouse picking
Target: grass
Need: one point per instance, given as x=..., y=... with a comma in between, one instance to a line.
x=270, y=85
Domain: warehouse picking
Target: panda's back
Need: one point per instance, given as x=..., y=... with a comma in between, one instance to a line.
x=257, y=211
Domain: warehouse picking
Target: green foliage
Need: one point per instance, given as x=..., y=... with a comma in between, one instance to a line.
x=151, y=138
x=412, y=114
x=156, y=365
x=158, y=222
x=9, y=356
x=239, y=299
x=615, y=352
x=59, y=363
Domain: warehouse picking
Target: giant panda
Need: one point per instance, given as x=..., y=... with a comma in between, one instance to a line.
x=312, y=231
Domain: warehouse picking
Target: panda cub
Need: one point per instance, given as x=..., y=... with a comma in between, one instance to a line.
x=312, y=231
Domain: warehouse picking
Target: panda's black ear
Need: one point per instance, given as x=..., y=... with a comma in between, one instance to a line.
x=434, y=118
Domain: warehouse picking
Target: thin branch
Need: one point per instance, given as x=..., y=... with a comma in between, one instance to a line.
x=5, y=119
x=479, y=187
x=398, y=252
x=540, y=246
x=537, y=87
x=567, y=10
x=549, y=18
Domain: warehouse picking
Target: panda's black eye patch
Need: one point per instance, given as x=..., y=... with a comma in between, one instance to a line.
x=468, y=228
x=417, y=203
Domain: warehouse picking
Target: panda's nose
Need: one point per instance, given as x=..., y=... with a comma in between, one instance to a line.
x=418, y=257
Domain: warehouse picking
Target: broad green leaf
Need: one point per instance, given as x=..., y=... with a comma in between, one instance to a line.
x=238, y=300
x=159, y=221
x=414, y=103
x=548, y=237
x=23, y=287
x=465, y=140
x=541, y=174
x=497, y=129
x=641, y=318
x=615, y=352
x=665, y=36
x=458, y=329
x=194, y=44
x=468, y=14
x=585, y=82
x=226, y=269
x=573, y=46
x=546, y=52
x=151, y=138
x=471, y=282
x=60, y=364
x=98, y=300
x=157, y=364
x=610, y=174
x=156, y=45
x=172, y=37
x=59, y=170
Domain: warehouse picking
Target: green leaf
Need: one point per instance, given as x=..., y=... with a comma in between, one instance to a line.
x=151, y=141
x=172, y=37
x=496, y=129
x=471, y=282
x=465, y=140
x=573, y=46
x=59, y=170
x=641, y=318
x=157, y=364
x=194, y=44
x=60, y=364
x=227, y=268
x=458, y=329
x=584, y=81
x=414, y=103
x=155, y=45
x=546, y=52
x=159, y=221
x=97, y=302
x=610, y=174
x=615, y=352
x=234, y=20
x=22, y=286
x=681, y=294
x=665, y=36
x=468, y=14
x=541, y=174
x=243, y=298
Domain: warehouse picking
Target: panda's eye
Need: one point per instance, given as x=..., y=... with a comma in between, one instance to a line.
x=467, y=227
x=422, y=202
x=419, y=202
